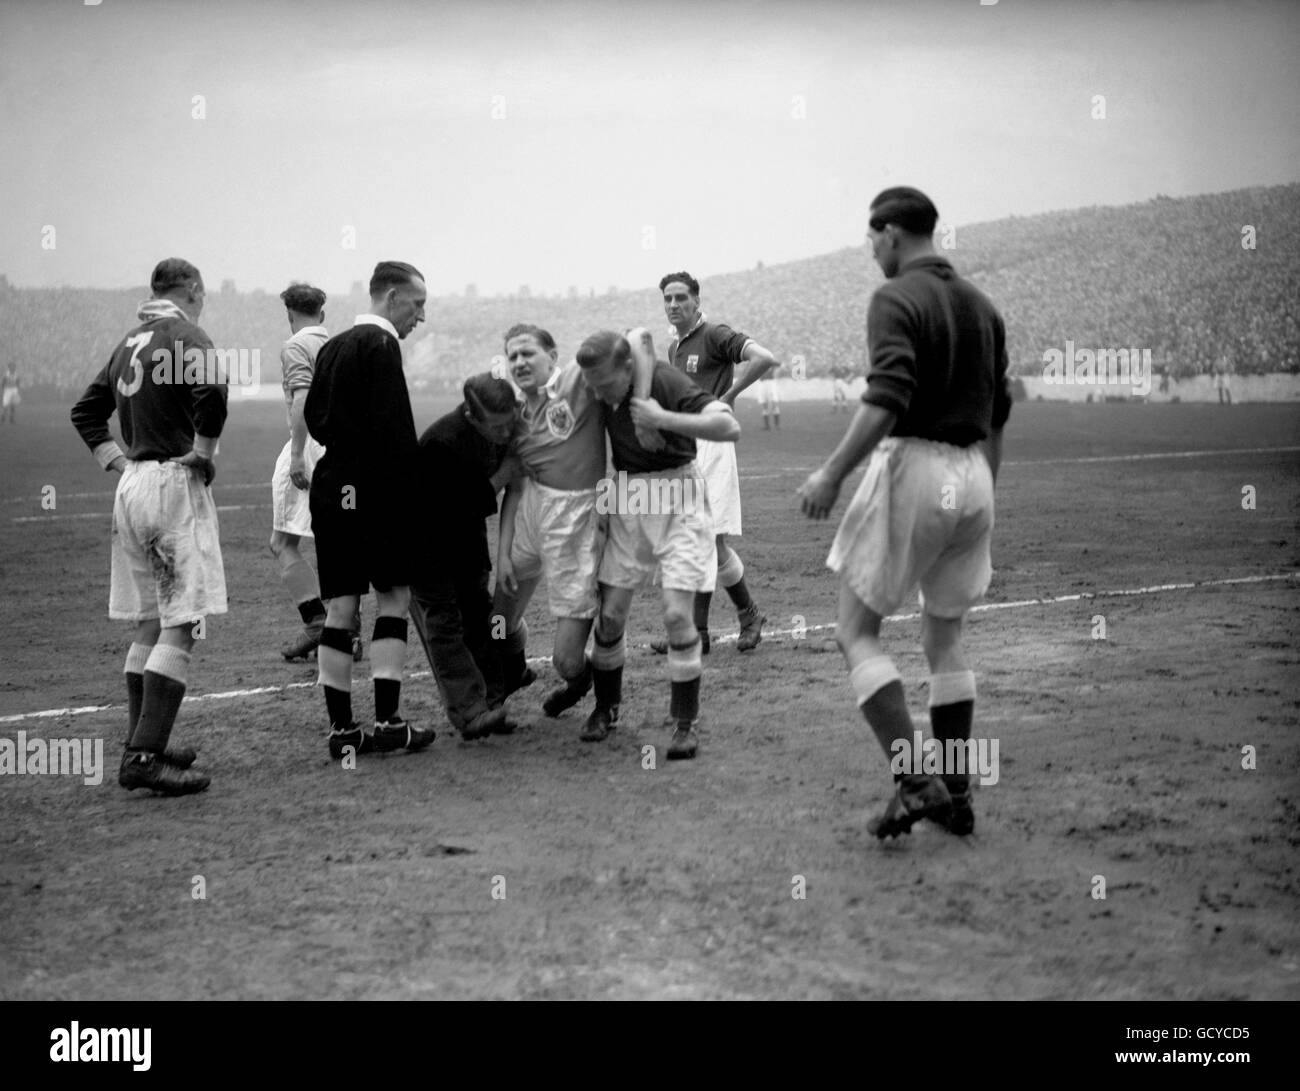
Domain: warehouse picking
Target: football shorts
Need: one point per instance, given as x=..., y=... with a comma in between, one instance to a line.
x=290, y=505
x=559, y=535
x=678, y=541
x=717, y=463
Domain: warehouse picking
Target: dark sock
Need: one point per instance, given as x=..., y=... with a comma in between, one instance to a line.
x=740, y=595
x=953, y=722
x=887, y=714
x=514, y=659
x=685, y=702
x=311, y=610
x=338, y=703
x=160, y=701
x=609, y=687
x=388, y=695
x=134, y=699
x=703, y=600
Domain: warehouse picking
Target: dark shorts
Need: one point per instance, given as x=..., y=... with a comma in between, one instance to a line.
x=359, y=547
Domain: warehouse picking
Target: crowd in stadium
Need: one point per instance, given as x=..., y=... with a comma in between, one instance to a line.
x=1169, y=275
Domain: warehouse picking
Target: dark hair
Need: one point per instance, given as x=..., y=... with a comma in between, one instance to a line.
x=303, y=299
x=681, y=278
x=904, y=207
x=602, y=347
x=524, y=329
x=486, y=394
x=392, y=274
x=172, y=273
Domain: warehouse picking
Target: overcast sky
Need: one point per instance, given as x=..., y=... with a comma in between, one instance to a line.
x=629, y=138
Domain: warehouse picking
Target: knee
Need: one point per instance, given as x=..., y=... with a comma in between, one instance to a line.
x=677, y=619
x=610, y=623
x=569, y=663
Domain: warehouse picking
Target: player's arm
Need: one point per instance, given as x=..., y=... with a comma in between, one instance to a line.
x=871, y=424
x=643, y=370
x=209, y=407
x=298, y=439
x=714, y=421
x=758, y=363
x=90, y=418
x=506, y=534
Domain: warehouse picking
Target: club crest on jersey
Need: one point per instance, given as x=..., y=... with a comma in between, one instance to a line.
x=559, y=419
x=692, y=364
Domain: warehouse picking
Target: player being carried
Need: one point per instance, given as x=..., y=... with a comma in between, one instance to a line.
x=290, y=501
x=707, y=353
x=549, y=523
x=931, y=421
x=167, y=573
x=659, y=517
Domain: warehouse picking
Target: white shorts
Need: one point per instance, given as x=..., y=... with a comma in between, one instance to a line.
x=679, y=544
x=922, y=515
x=12, y=397
x=559, y=535
x=767, y=395
x=166, y=555
x=717, y=462
x=290, y=505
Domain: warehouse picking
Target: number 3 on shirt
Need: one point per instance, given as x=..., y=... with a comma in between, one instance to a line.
x=137, y=368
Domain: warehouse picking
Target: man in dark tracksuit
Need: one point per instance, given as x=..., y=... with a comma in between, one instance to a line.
x=931, y=420
x=463, y=464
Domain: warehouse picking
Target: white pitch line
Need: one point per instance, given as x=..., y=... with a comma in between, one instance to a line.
x=109, y=514
x=744, y=477
x=1019, y=604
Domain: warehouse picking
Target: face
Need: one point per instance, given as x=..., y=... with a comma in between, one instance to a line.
x=884, y=247
x=530, y=364
x=679, y=305
x=406, y=306
x=495, y=427
x=609, y=381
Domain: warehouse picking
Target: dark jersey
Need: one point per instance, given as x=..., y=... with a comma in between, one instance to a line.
x=676, y=393
x=938, y=355
x=708, y=355
x=359, y=409
x=162, y=380
x=456, y=466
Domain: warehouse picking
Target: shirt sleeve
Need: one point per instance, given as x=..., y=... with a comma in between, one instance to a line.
x=680, y=394
x=728, y=343
x=91, y=414
x=1001, y=378
x=208, y=404
x=891, y=340
x=296, y=366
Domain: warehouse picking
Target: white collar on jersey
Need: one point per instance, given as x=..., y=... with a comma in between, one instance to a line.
x=376, y=320
x=699, y=321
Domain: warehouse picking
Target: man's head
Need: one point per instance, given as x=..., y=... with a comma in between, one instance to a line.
x=530, y=352
x=176, y=279
x=606, y=362
x=490, y=407
x=305, y=304
x=900, y=226
x=397, y=292
x=681, y=293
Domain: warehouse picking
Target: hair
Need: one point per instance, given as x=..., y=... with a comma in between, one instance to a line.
x=525, y=329
x=681, y=278
x=486, y=394
x=303, y=299
x=905, y=207
x=392, y=274
x=602, y=347
x=172, y=273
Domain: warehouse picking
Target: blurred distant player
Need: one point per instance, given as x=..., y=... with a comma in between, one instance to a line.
x=659, y=517
x=11, y=396
x=931, y=420
x=358, y=408
x=770, y=400
x=290, y=501
x=167, y=573
x=1222, y=375
x=549, y=523
x=839, y=390
x=707, y=353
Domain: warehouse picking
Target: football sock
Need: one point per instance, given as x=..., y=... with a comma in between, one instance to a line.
x=684, y=669
x=514, y=657
x=334, y=659
x=300, y=580
x=878, y=687
x=731, y=574
x=607, y=658
x=952, y=711
x=703, y=600
x=136, y=658
x=164, y=687
x=387, y=658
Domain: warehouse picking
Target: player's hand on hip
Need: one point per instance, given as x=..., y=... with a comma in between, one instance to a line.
x=298, y=473
x=819, y=494
x=194, y=461
x=647, y=412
